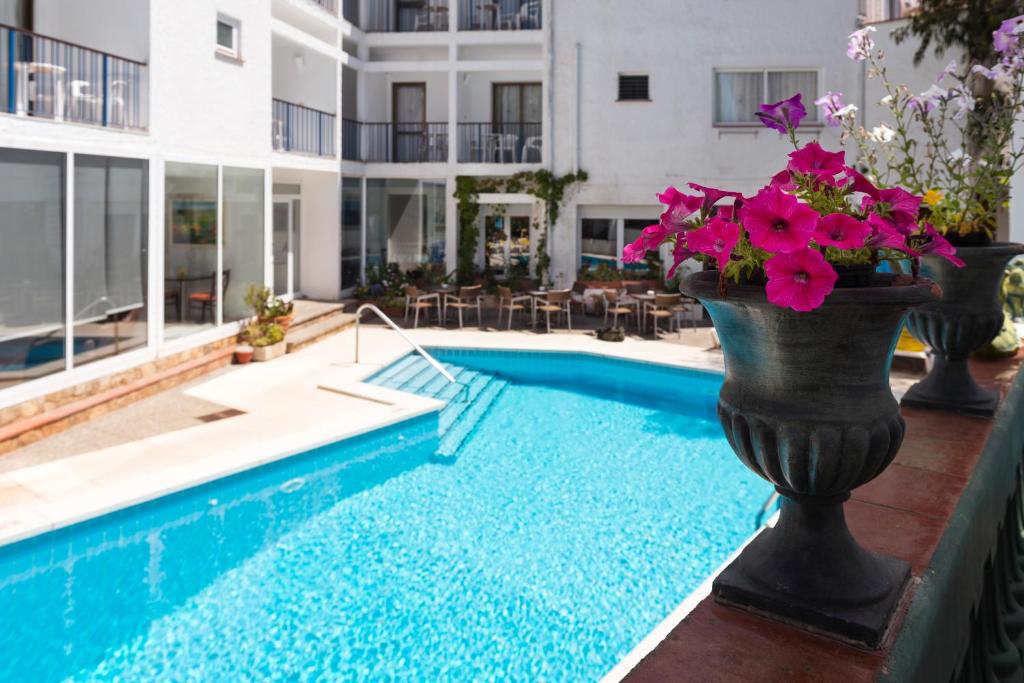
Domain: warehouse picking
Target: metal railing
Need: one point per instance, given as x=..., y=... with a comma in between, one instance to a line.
x=400, y=16
x=500, y=15
x=391, y=323
x=55, y=79
x=295, y=128
x=395, y=142
x=500, y=143
x=328, y=5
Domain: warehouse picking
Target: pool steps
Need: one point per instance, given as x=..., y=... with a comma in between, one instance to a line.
x=466, y=403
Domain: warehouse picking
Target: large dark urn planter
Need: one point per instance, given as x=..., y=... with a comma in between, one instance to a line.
x=969, y=316
x=806, y=404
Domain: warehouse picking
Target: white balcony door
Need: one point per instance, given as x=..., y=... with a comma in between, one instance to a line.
x=286, y=246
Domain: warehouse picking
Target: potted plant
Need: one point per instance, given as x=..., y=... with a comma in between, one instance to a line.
x=267, y=340
x=243, y=354
x=955, y=147
x=808, y=330
x=267, y=307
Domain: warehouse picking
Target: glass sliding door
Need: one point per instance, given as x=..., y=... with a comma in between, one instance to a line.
x=351, y=231
x=242, y=218
x=32, y=262
x=433, y=221
x=111, y=206
x=516, y=110
x=282, y=247
x=405, y=222
x=190, y=249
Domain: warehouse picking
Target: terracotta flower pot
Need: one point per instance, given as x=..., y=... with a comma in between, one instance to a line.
x=243, y=354
x=969, y=316
x=806, y=404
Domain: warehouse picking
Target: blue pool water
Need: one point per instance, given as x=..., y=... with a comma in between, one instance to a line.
x=583, y=500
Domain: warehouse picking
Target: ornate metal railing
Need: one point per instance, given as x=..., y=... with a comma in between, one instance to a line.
x=966, y=622
x=295, y=128
x=51, y=78
x=504, y=143
x=400, y=16
x=500, y=15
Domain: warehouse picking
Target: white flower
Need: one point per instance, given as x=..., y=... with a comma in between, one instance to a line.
x=964, y=102
x=885, y=100
x=861, y=44
x=882, y=133
x=950, y=69
x=958, y=156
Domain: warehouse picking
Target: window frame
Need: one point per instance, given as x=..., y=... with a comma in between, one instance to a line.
x=632, y=74
x=812, y=110
x=235, y=51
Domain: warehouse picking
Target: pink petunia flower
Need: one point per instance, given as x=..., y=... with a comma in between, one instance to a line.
x=784, y=179
x=938, y=245
x=860, y=183
x=680, y=253
x=799, y=280
x=783, y=115
x=842, y=231
x=897, y=206
x=777, y=222
x=654, y=235
x=834, y=110
x=860, y=44
x=813, y=159
x=1006, y=38
x=680, y=206
x=634, y=251
x=712, y=195
x=717, y=239
x=885, y=236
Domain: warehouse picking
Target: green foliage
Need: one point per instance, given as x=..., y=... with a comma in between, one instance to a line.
x=264, y=304
x=966, y=25
x=263, y=334
x=542, y=184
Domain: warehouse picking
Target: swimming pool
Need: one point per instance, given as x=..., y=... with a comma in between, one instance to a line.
x=580, y=507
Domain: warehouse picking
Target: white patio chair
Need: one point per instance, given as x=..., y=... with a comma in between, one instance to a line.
x=533, y=143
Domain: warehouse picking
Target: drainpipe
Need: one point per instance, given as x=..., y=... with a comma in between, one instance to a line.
x=579, y=69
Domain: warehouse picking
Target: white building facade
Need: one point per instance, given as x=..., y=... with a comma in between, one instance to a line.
x=159, y=156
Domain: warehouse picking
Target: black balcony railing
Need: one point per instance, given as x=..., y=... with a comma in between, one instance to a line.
x=46, y=77
x=303, y=130
x=328, y=5
x=499, y=15
x=500, y=143
x=396, y=16
x=394, y=142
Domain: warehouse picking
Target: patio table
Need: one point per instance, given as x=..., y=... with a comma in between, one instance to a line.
x=442, y=292
x=644, y=300
x=536, y=296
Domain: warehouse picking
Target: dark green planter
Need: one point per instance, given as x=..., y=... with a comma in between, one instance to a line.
x=969, y=316
x=806, y=404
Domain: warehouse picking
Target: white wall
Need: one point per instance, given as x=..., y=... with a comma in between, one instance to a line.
x=377, y=104
x=201, y=103
x=476, y=88
x=320, y=225
x=120, y=27
x=313, y=85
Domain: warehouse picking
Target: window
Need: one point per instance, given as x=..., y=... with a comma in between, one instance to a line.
x=516, y=110
x=598, y=240
x=633, y=87
x=739, y=92
x=228, y=30
x=405, y=222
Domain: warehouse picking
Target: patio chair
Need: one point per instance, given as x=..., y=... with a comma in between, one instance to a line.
x=578, y=297
x=533, y=143
x=513, y=303
x=687, y=306
x=557, y=302
x=661, y=309
x=207, y=300
x=507, y=145
x=616, y=307
x=467, y=298
x=417, y=301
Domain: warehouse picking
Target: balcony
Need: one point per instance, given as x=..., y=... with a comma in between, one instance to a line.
x=302, y=130
x=500, y=143
x=400, y=16
x=54, y=79
x=330, y=6
x=500, y=15
x=395, y=142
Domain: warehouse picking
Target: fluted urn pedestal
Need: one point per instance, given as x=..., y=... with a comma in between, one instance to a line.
x=806, y=404
x=969, y=316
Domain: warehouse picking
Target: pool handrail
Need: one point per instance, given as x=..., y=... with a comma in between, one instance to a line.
x=391, y=323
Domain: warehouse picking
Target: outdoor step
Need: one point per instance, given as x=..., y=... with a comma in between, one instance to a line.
x=387, y=373
x=420, y=379
x=310, y=334
x=439, y=383
x=461, y=403
x=405, y=374
x=307, y=312
x=452, y=440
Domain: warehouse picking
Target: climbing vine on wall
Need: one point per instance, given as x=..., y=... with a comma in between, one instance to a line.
x=544, y=185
